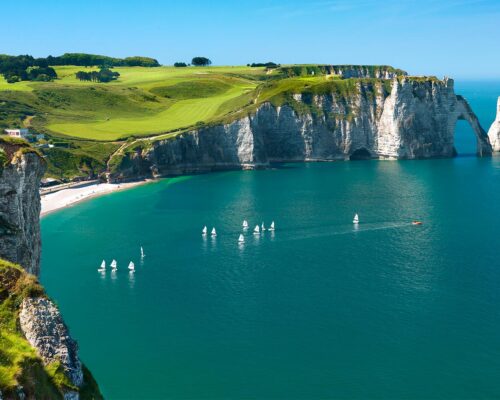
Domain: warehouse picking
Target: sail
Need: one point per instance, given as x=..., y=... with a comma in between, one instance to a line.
x=256, y=230
x=356, y=219
x=204, y=231
x=131, y=266
x=245, y=224
x=262, y=228
x=142, y=252
x=214, y=233
x=113, y=264
x=271, y=228
x=241, y=239
x=103, y=267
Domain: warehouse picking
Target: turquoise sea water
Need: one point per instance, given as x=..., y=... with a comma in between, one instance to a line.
x=317, y=310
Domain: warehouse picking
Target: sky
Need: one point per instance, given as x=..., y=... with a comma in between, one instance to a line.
x=457, y=38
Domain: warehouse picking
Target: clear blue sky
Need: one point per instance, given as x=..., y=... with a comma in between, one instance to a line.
x=459, y=38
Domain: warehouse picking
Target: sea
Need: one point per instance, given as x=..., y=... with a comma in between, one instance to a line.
x=318, y=309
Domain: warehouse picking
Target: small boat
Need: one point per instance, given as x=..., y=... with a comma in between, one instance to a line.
x=103, y=266
x=142, y=253
x=214, y=232
x=245, y=224
x=416, y=223
x=356, y=219
x=262, y=227
x=131, y=266
x=204, y=231
x=256, y=230
x=271, y=228
x=241, y=239
x=114, y=264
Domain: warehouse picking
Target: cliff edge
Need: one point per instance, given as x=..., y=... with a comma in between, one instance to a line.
x=39, y=359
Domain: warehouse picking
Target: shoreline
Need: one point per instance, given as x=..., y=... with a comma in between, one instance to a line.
x=65, y=198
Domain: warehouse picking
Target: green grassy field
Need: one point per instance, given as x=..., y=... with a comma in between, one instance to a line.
x=143, y=101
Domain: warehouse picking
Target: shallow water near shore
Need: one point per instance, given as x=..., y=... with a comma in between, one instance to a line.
x=320, y=308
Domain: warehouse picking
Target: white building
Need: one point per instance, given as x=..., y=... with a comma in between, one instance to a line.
x=19, y=133
x=24, y=134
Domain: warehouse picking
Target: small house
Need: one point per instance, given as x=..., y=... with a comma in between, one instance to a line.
x=24, y=133
x=18, y=133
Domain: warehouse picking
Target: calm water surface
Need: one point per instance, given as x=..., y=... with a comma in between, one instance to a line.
x=317, y=310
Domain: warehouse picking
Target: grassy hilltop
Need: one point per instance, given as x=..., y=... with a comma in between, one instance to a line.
x=143, y=101
x=91, y=120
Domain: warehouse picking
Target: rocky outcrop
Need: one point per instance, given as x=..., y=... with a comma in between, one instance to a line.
x=23, y=302
x=494, y=132
x=367, y=71
x=345, y=71
x=43, y=326
x=20, y=207
x=412, y=118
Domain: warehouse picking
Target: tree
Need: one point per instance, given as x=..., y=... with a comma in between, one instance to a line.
x=201, y=61
x=180, y=64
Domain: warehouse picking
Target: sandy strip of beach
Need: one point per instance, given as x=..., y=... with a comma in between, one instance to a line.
x=68, y=197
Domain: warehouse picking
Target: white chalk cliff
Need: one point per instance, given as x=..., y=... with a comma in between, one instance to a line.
x=494, y=132
x=408, y=119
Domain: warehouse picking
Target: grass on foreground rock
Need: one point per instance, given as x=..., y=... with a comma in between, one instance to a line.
x=19, y=363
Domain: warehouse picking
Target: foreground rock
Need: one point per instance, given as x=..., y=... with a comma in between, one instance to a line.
x=406, y=118
x=39, y=359
x=20, y=205
x=44, y=328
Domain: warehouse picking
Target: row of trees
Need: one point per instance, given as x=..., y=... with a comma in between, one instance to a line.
x=25, y=68
x=28, y=68
x=94, y=60
x=196, y=61
x=103, y=75
x=269, y=64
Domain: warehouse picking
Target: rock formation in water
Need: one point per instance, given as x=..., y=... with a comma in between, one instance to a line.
x=51, y=367
x=406, y=118
x=494, y=132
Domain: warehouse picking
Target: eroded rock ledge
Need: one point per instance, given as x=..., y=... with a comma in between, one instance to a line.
x=43, y=326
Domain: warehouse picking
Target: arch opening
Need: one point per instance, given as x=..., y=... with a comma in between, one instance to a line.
x=465, y=140
x=360, y=154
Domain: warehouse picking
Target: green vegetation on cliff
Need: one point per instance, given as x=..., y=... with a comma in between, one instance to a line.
x=20, y=366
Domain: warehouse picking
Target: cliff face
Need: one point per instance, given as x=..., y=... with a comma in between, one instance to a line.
x=50, y=367
x=415, y=118
x=20, y=208
x=494, y=132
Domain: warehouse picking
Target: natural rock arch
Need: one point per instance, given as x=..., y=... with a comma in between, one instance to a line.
x=464, y=112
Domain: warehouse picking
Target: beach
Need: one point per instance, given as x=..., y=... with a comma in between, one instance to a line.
x=67, y=197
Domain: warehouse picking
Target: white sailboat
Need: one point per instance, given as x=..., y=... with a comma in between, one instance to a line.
x=241, y=239
x=214, y=232
x=262, y=227
x=142, y=253
x=355, y=219
x=131, y=266
x=256, y=230
x=271, y=228
x=103, y=266
x=114, y=264
x=245, y=224
x=204, y=231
